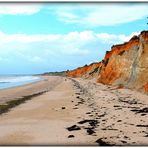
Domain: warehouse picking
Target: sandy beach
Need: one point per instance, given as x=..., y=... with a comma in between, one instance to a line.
x=74, y=112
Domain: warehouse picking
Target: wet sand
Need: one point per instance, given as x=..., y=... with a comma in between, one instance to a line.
x=74, y=112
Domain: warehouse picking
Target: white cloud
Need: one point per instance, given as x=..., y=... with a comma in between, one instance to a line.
x=74, y=42
x=100, y=14
x=19, y=8
x=90, y=15
x=56, y=50
x=24, y=38
x=113, y=38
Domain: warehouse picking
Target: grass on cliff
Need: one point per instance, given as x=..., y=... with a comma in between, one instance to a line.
x=106, y=62
x=121, y=53
x=10, y=104
x=94, y=71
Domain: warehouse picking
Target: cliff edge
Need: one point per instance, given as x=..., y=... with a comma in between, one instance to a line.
x=126, y=65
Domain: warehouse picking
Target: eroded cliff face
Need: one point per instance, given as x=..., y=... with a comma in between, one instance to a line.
x=87, y=71
x=118, y=62
x=125, y=65
x=146, y=87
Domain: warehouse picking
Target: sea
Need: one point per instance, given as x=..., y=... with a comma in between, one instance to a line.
x=8, y=81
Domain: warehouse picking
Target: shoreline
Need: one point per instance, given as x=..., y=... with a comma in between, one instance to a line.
x=21, y=90
x=23, y=83
x=13, y=102
x=76, y=112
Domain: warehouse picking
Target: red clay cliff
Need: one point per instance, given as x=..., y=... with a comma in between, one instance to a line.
x=125, y=65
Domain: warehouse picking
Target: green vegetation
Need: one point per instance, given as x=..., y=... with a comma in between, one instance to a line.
x=121, y=53
x=94, y=71
x=106, y=62
x=62, y=73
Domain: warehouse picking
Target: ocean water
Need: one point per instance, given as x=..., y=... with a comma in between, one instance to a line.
x=8, y=81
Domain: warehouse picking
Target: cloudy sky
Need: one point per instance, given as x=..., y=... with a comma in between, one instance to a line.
x=41, y=37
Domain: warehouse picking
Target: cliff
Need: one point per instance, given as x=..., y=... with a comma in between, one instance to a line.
x=125, y=65
x=87, y=71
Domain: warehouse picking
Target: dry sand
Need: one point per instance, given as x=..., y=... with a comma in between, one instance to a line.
x=94, y=114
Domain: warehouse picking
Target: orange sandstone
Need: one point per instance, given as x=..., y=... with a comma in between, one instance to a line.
x=125, y=65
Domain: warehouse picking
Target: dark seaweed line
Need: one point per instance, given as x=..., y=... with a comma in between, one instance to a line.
x=10, y=104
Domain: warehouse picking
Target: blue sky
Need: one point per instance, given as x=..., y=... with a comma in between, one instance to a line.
x=41, y=37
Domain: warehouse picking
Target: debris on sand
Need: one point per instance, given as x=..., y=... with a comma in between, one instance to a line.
x=91, y=122
x=71, y=136
x=143, y=110
x=101, y=142
x=73, y=128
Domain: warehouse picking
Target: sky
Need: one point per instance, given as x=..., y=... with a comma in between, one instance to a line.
x=43, y=37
